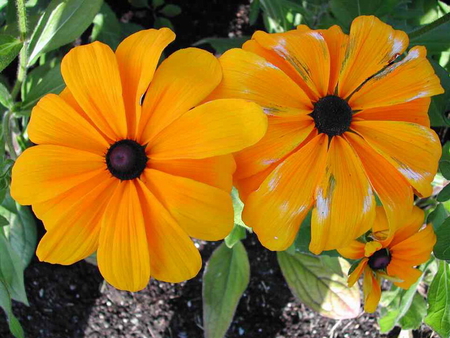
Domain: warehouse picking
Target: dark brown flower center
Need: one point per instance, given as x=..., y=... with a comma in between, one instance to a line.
x=380, y=259
x=332, y=115
x=126, y=159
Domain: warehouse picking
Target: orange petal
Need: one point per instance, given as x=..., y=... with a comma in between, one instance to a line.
x=407, y=80
x=354, y=276
x=283, y=135
x=380, y=228
x=411, y=148
x=406, y=273
x=415, y=111
x=391, y=187
x=371, y=247
x=73, y=221
x=46, y=171
x=173, y=256
x=204, y=212
x=276, y=210
x=345, y=204
x=123, y=255
x=53, y=121
x=214, y=128
x=216, y=171
x=250, y=77
x=182, y=81
x=355, y=250
x=371, y=46
x=92, y=75
x=138, y=56
x=411, y=226
x=372, y=291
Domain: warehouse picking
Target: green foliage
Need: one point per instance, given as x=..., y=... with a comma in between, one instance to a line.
x=5, y=97
x=442, y=247
x=5, y=303
x=440, y=103
x=107, y=27
x=9, y=49
x=237, y=234
x=438, y=216
x=226, y=277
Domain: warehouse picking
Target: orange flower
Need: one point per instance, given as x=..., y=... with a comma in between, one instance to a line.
x=393, y=258
x=128, y=165
x=345, y=123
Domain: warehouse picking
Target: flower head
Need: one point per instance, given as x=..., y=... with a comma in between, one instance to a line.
x=347, y=122
x=393, y=258
x=130, y=164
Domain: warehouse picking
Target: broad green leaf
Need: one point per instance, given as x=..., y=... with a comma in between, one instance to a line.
x=62, y=23
x=442, y=247
x=444, y=195
x=440, y=102
x=434, y=36
x=107, y=27
x=9, y=49
x=438, y=216
x=238, y=233
x=5, y=303
x=171, y=10
x=221, y=45
x=161, y=22
x=157, y=3
x=5, y=167
x=276, y=15
x=3, y=221
x=5, y=97
x=129, y=28
x=225, y=279
x=438, y=315
x=321, y=284
x=255, y=8
x=444, y=168
x=414, y=316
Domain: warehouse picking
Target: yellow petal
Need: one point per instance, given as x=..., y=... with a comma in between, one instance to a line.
x=345, y=204
x=202, y=211
x=372, y=291
x=92, y=75
x=46, y=171
x=407, y=80
x=354, y=276
x=214, y=128
x=411, y=148
x=138, y=56
x=411, y=226
x=123, y=254
x=276, y=210
x=173, y=256
x=372, y=45
x=355, y=250
x=380, y=228
x=371, y=247
x=407, y=274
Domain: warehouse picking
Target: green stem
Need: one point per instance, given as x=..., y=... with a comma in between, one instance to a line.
x=23, y=57
x=433, y=25
x=6, y=124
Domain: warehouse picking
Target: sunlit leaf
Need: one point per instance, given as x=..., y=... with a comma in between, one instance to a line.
x=9, y=49
x=442, y=247
x=414, y=317
x=5, y=97
x=107, y=27
x=440, y=103
x=237, y=234
x=438, y=216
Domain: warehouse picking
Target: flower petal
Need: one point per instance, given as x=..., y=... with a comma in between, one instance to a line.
x=371, y=46
x=354, y=276
x=138, y=56
x=214, y=128
x=123, y=255
x=411, y=226
x=411, y=148
x=415, y=111
x=372, y=291
x=355, y=250
x=173, y=256
x=46, y=171
x=406, y=273
x=250, y=77
x=380, y=228
x=404, y=81
x=182, y=81
x=276, y=210
x=92, y=75
x=345, y=204
x=53, y=121
x=202, y=211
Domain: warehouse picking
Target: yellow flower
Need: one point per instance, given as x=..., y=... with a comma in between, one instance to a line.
x=393, y=258
x=128, y=163
x=346, y=123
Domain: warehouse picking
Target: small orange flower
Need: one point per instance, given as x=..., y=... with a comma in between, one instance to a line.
x=346, y=123
x=128, y=163
x=393, y=258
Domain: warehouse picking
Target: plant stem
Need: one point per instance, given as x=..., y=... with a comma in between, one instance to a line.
x=6, y=126
x=425, y=29
x=23, y=57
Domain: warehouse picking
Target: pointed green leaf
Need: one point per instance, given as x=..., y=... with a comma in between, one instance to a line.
x=5, y=97
x=237, y=234
x=107, y=27
x=9, y=49
x=5, y=303
x=171, y=10
x=442, y=247
x=414, y=316
x=440, y=103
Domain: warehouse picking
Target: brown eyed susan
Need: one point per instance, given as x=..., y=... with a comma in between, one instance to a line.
x=393, y=258
x=128, y=164
x=347, y=121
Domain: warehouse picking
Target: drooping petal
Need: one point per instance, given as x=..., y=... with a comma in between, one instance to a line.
x=372, y=45
x=214, y=128
x=182, y=81
x=415, y=111
x=46, y=171
x=354, y=251
x=411, y=226
x=276, y=210
x=250, y=77
x=406, y=273
x=92, y=76
x=372, y=291
x=345, y=204
x=354, y=276
x=123, y=255
x=404, y=81
x=53, y=121
x=202, y=211
x=138, y=56
x=216, y=171
x=391, y=187
x=173, y=255
x=411, y=148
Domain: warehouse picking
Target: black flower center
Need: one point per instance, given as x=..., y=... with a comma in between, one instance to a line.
x=380, y=260
x=126, y=159
x=332, y=115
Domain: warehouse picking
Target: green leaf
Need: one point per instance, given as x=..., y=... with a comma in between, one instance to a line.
x=237, y=234
x=62, y=22
x=434, y=36
x=444, y=194
x=225, y=279
x=320, y=283
x=444, y=167
x=438, y=315
x=255, y=8
x=5, y=303
x=171, y=10
x=221, y=45
x=129, y=28
x=139, y=3
x=442, y=247
x=9, y=49
x=5, y=167
x=437, y=216
x=417, y=311
x=5, y=97
x=3, y=221
x=238, y=206
x=107, y=27
x=157, y=3
x=161, y=22
x=440, y=102
x=275, y=14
